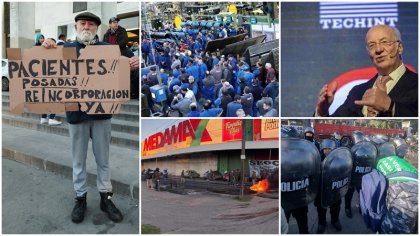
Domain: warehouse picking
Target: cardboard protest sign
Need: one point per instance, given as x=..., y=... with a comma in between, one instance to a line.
x=55, y=80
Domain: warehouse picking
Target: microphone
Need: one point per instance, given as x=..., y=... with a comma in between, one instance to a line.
x=394, y=55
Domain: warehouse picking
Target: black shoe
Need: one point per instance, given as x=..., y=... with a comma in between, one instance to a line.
x=108, y=206
x=337, y=226
x=348, y=213
x=321, y=229
x=78, y=213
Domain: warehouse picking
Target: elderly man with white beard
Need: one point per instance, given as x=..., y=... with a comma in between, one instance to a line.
x=82, y=127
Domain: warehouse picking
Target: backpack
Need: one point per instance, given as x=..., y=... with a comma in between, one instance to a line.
x=373, y=198
x=402, y=205
x=401, y=200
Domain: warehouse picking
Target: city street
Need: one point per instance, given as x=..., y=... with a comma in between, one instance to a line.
x=355, y=225
x=40, y=202
x=210, y=213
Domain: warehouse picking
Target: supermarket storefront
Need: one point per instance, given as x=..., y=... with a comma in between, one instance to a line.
x=204, y=144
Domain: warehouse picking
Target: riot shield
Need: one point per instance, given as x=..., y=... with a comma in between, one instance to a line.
x=402, y=150
x=336, y=175
x=378, y=139
x=364, y=159
x=300, y=172
x=386, y=149
x=289, y=132
x=383, y=137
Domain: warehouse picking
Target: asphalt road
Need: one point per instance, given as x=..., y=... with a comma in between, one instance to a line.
x=39, y=202
x=354, y=225
x=208, y=213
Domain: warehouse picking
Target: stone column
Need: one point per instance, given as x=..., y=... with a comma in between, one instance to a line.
x=108, y=10
x=22, y=24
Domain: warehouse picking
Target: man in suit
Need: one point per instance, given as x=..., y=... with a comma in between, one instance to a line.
x=393, y=92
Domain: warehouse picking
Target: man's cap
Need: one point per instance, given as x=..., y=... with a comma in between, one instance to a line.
x=112, y=19
x=184, y=87
x=88, y=16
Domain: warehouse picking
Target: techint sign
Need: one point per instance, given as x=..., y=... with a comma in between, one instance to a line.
x=357, y=15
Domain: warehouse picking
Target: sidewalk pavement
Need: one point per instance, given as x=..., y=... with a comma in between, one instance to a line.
x=52, y=152
x=36, y=201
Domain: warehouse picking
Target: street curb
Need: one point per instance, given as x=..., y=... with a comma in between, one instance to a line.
x=117, y=138
x=128, y=189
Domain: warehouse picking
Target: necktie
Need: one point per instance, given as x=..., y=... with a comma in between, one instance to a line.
x=380, y=84
x=384, y=80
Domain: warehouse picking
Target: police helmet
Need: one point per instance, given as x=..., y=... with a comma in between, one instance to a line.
x=327, y=143
x=410, y=140
x=398, y=142
x=357, y=137
x=309, y=130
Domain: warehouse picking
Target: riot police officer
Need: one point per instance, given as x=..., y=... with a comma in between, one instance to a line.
x=327, y=145
x=364, y=159
x=356, y=137
x=309, y=135
x=301, y=216
x=299, y=179
x=337, y=137
x=301, y=213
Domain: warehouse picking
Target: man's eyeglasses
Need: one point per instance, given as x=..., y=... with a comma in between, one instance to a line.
x=385, y=43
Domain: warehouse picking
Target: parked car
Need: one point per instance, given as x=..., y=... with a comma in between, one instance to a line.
x=191, y=174
x=5, y=75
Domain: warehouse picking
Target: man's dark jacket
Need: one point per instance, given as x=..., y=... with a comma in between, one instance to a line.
x=122, y=40
x=75, y=117
x=404, y=95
